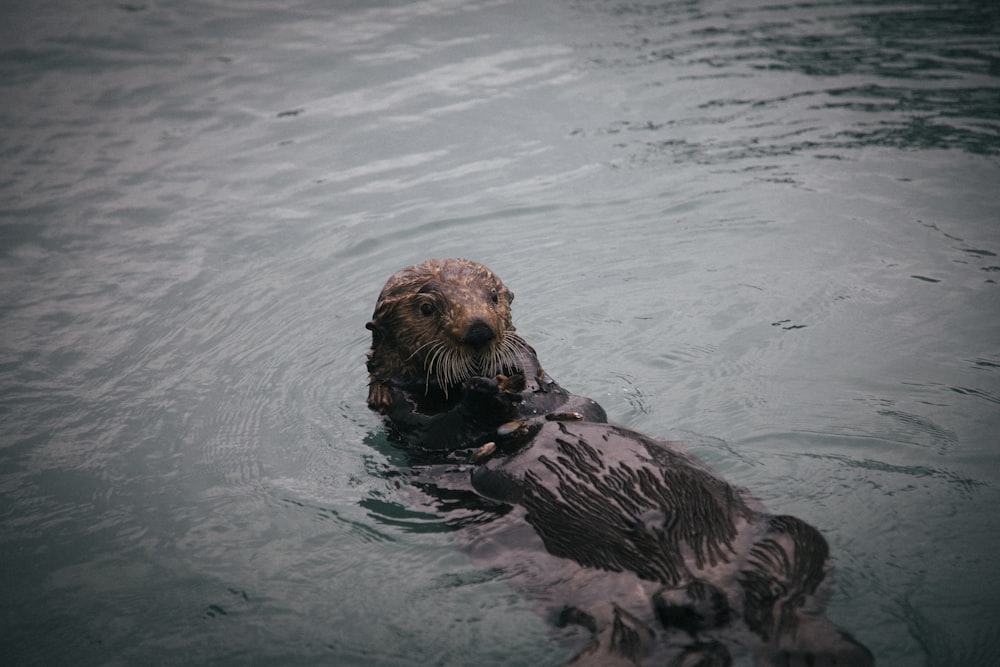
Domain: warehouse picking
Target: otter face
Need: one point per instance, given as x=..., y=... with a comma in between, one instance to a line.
x=440, y=323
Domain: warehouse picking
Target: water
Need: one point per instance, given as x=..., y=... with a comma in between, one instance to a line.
x=772, y=232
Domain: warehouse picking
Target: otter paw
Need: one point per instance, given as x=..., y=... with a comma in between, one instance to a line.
x=481, y=386
x=511, y=384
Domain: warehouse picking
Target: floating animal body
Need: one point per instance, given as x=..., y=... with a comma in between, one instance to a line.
x=628, y=538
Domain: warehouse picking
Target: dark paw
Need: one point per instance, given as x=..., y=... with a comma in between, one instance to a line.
x=512, y=384
x=481, y=387
x=485, y=402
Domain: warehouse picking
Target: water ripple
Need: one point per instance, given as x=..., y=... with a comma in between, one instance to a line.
x=921, y=77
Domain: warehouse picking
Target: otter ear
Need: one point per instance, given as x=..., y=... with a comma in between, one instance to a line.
x=378, y=332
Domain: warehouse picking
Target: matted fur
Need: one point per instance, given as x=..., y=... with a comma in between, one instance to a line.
x=421, y=329
x=656, y=557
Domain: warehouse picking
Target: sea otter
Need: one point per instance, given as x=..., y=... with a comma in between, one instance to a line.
x=446, y=365
x=657, y=558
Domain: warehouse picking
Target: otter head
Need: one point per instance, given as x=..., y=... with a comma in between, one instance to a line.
x=437, y=324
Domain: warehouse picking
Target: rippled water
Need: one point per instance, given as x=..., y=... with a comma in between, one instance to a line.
x=769, y=231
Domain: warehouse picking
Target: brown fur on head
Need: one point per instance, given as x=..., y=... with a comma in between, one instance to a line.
x=435, y=325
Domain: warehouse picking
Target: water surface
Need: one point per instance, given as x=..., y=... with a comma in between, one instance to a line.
x=770, y=232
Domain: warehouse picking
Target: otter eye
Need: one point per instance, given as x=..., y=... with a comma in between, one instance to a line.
x=494, y=297
x=427, y=309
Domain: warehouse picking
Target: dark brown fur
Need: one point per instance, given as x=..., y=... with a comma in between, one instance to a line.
x=438, y=300
x=457, y=310
x=661, y=560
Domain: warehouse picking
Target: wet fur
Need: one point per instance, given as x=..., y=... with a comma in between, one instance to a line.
x=658, y=559
x=423, y=315
x=455, y=407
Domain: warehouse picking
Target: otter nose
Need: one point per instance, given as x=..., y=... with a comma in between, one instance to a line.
x=478, y=334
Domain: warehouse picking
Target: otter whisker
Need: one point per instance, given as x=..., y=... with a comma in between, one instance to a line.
x=447, y=372
x=442, y=362
x=513, y=354
x=461, y=367
x=414, y=353
x=428, y=360
x=454, y=367
x=493, y=364
x=430, y=364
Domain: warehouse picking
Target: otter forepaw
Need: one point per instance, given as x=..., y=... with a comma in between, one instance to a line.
x=512, y=384
x=485, y=401
x=482, y=386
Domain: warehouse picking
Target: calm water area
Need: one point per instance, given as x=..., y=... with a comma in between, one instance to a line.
x=770, y=231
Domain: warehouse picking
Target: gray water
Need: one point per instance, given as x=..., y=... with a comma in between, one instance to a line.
x=769, y=232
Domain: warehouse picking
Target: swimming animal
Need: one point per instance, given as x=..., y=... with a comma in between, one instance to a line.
x=627, y=538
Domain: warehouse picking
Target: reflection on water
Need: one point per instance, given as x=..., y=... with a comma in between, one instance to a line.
x=768, y=230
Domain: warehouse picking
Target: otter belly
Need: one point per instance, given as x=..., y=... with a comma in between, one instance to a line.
x=652, y=553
